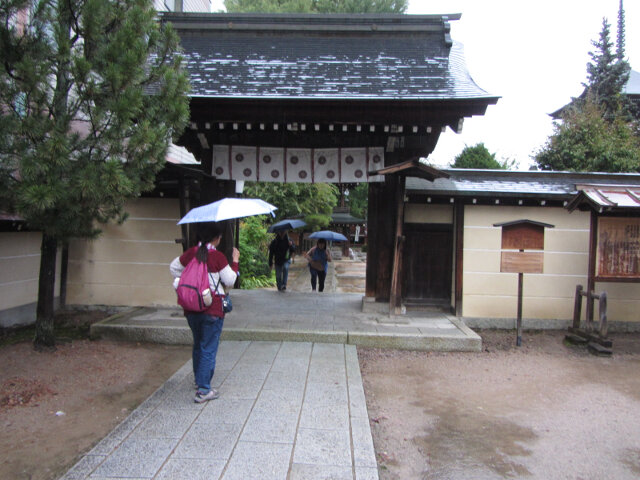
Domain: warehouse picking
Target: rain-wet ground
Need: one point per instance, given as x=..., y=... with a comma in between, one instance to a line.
x=343, y=276
x=542, y=411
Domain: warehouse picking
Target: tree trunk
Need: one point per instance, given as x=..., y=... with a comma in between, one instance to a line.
x=44, y=337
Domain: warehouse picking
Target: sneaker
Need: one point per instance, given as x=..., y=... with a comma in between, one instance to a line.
x=284, y=288
x=205, y=397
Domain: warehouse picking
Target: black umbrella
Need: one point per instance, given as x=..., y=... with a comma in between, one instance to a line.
x=287, y=224
x=329, y=235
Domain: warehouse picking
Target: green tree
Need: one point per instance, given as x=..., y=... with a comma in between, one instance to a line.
x=254, y=247
x=586, y=142
x=598, y=131
x=361, y=6
x=91, y=93
x=269, y=6
x=359, y=200
x=478, y=156
x=317, y=6
x=607, y=73
x=314, y=201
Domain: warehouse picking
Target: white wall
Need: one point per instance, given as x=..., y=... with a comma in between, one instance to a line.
x=128, y=264
x=20, y=267
x=489, y=293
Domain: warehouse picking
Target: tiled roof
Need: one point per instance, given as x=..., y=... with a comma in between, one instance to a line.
x=324, y=56
x=607, y=197
x=633, y=85
x=467, y=182
x=345, y=218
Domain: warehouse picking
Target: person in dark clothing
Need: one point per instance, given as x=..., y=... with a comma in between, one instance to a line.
x=281, y=252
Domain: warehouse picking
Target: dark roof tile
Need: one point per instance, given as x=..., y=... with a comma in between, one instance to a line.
x=408, y=57
x=468, y=182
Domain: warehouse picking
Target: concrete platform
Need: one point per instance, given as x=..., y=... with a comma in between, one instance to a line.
x=269, y=315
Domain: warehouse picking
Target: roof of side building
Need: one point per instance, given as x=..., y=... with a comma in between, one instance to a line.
x=494, y=183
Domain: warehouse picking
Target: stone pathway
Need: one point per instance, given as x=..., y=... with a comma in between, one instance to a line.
x=286, y=411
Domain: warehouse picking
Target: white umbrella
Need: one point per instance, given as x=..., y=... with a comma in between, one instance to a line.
x=228, y=208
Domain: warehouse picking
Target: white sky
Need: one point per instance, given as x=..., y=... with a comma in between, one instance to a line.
x=532, y=54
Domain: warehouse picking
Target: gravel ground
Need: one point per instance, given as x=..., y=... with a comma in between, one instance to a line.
x=542, y=411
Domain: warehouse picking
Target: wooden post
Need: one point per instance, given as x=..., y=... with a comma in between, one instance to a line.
x=602, y=310
x=591, y=283
x=519, y=319
x=395, y=294
x=577, y=308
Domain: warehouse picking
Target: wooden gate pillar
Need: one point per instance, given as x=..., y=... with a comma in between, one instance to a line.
x=395, y=291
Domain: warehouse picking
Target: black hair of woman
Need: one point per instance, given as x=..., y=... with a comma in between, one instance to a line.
x=207, y=232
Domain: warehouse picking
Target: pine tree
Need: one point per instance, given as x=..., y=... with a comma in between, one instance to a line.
x=91, y=94
x=317, y=6
x=607, y=74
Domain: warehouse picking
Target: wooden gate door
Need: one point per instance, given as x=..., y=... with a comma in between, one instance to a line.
x=427, y=264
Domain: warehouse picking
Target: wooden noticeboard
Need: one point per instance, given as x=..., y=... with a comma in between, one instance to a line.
x=521, y=262
x=518, y=236
x=618, y=249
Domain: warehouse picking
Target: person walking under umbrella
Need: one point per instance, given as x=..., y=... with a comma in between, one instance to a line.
x=206, y=326
x=281, y=252
x=318, y=258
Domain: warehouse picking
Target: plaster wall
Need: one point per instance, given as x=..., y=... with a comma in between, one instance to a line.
x=20, y=267
x=488, y=293
x=128, y=265
x=427, y=213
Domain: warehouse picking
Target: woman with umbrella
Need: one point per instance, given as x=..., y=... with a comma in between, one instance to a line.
x=318, y=258
x=206, y=325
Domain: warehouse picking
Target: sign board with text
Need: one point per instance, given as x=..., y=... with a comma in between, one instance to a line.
x=618, y=249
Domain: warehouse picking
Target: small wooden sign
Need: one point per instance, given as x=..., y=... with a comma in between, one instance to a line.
x=522, y=235
x=517, y=236
x=521, y=262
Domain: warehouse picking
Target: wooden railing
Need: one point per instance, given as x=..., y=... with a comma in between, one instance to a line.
x=593, y=333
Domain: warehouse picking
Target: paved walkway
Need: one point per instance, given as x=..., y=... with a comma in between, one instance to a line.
x=287, y=410
x=292, y=404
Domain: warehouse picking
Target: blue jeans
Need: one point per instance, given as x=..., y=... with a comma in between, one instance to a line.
x=320, y=276
x=206, y=330
x=282, y=274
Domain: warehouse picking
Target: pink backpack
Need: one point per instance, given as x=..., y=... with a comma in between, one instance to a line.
x=194, y=293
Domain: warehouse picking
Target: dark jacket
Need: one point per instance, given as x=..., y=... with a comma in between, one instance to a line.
x=281, y=250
